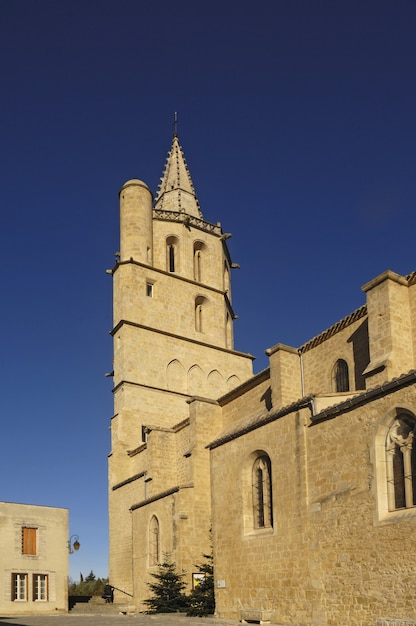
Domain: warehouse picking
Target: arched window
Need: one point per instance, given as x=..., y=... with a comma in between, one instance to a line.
x=200, y=306
x=340, y=376
x=172, y=254
x=262, y=492
x=199, y=247
x=154, y=540
x=401, y=463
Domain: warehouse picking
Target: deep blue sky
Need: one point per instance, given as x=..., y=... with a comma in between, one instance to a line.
x=298, y=122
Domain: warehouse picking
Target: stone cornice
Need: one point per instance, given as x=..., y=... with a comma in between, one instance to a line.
x=128, y=481
x=160, y=496
x=121, y=323
x=181, y=217
x=135, y=384
x=151, y=268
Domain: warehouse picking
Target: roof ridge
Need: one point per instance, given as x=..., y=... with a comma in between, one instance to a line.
x=335, y=328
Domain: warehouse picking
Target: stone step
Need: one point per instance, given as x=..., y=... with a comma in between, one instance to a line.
x=97, y=606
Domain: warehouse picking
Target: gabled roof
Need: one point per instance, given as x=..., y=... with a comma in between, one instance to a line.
x=335, y=328
x=176, y=191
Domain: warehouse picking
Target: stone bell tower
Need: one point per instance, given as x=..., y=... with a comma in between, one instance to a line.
x=173, y=343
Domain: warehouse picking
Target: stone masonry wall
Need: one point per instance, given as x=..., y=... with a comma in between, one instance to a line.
x=349, y=344
x=326, y=561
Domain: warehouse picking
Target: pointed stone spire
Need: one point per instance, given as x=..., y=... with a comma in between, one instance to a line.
x=176, y=191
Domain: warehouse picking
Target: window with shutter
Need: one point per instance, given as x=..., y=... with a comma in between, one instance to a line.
x=29, y=540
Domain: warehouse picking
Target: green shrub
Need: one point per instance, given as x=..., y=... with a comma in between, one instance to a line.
x=202, y=598
x=90, y=586
x=168, y=590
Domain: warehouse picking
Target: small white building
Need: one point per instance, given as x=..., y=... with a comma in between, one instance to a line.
x=33, y=559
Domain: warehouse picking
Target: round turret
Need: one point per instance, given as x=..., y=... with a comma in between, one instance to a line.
x=136, y=228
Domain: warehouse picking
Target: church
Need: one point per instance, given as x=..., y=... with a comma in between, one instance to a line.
x=303, y=476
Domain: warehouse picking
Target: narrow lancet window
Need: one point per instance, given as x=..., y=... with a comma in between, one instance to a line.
x=172, y=254
x=340, y=376
x=199, y=254
x=198, y=317
x=154, y=536
x=227, y=279
x=197, y=265
x=200, y=306
x=171, y=258
x=262, y=493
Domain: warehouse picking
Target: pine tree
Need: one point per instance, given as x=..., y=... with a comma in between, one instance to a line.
x=168, y=590
x=202, y=598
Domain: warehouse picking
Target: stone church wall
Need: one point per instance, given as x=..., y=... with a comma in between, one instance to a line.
x=349, y=344
x=326, y=560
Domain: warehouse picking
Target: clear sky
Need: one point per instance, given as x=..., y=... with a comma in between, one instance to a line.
x=298, y=122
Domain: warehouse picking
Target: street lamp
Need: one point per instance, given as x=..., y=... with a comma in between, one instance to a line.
x=73, y=544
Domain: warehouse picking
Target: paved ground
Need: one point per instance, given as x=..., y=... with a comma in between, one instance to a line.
x=113, y=620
